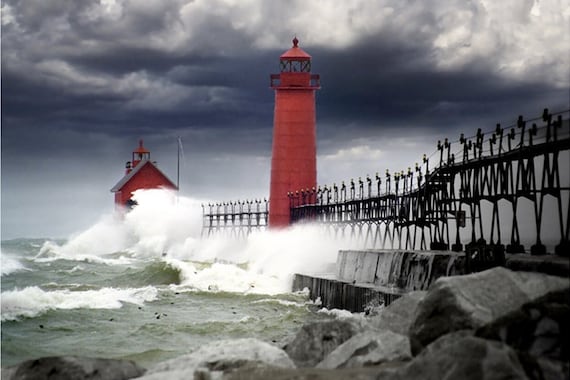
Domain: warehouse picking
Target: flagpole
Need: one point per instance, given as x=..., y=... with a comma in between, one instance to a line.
x=178, y=166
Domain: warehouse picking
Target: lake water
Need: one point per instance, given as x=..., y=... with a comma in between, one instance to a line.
x=145, y=286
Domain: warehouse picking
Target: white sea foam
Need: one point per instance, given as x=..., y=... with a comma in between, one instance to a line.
x=48, y=254
x=282, y=302
x=33, y=301
x=220, y=277
x=77, y=268
x=10, y=264
x=166, y=224
x=272, y=257
x=338, y=313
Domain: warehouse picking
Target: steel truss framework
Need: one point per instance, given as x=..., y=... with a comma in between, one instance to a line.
x=234, y=219
x=483, y=191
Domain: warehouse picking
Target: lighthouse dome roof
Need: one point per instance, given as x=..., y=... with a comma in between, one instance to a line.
x=295, y=52
x=141, y=148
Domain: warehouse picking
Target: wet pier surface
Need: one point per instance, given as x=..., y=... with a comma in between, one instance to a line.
x=366, y=278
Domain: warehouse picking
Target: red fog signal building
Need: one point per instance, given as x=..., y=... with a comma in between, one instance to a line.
x=141, y=173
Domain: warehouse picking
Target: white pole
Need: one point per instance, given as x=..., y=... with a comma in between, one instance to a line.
x=178, y=165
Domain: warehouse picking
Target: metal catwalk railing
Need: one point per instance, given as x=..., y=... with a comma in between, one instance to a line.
x=235, y=219
x=484, y=190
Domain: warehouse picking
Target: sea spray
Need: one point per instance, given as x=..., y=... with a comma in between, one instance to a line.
x=107, y=236
x=163, y=221
x=164, y=224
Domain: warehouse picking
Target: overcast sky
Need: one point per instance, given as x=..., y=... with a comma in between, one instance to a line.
x=82, y=81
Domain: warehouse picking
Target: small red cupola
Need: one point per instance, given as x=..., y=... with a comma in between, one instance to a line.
x=141, y=173
x=139, y=154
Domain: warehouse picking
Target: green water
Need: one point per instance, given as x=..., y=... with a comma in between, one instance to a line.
x=128, y=307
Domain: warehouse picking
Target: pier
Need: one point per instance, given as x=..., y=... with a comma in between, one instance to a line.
x=498, y=198
x=368, y=278
x=477, y=196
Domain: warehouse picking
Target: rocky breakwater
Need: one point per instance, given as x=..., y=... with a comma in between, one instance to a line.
x=496, y=324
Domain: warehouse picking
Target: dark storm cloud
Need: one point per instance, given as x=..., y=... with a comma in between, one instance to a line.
x=111, y=72
x=386, y=75
x=386, y=87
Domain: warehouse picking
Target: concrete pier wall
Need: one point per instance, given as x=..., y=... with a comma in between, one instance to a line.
x=407, y=270
x=335, y=294
x=370, y=277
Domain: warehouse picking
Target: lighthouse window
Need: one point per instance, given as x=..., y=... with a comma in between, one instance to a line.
x=295, y=66
x=285, y=66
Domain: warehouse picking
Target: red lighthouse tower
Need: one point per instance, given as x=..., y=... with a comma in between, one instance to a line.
x=141, y=173
x=294, y=157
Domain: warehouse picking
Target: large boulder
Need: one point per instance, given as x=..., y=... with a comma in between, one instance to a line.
x=472, y=301
x=540, y=327
x=316, y=340
x=399, y=315
x=463, y=357
x=221, y=358
x=544, y=368
x=73, y=368
x=368, y=349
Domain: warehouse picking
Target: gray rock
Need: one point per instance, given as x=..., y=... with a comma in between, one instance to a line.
x=466, y=358
x=368, y=349
x=539, y=327
x=399, y=315
x=317, y=339
x=448, y=339
x=471, y=301
x=552, y=370
x=73, y=368
x=366, y=373
x=544, y=368
x=219, y=358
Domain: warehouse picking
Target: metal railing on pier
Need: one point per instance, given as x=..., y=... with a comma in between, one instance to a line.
x=235, y=219
x=480, y=191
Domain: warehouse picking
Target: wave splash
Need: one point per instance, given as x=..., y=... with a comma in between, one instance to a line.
x=10, y=264
x=33, y=301
x=167, y=227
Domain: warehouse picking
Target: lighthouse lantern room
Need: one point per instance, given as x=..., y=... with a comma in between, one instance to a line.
x=141, y=173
